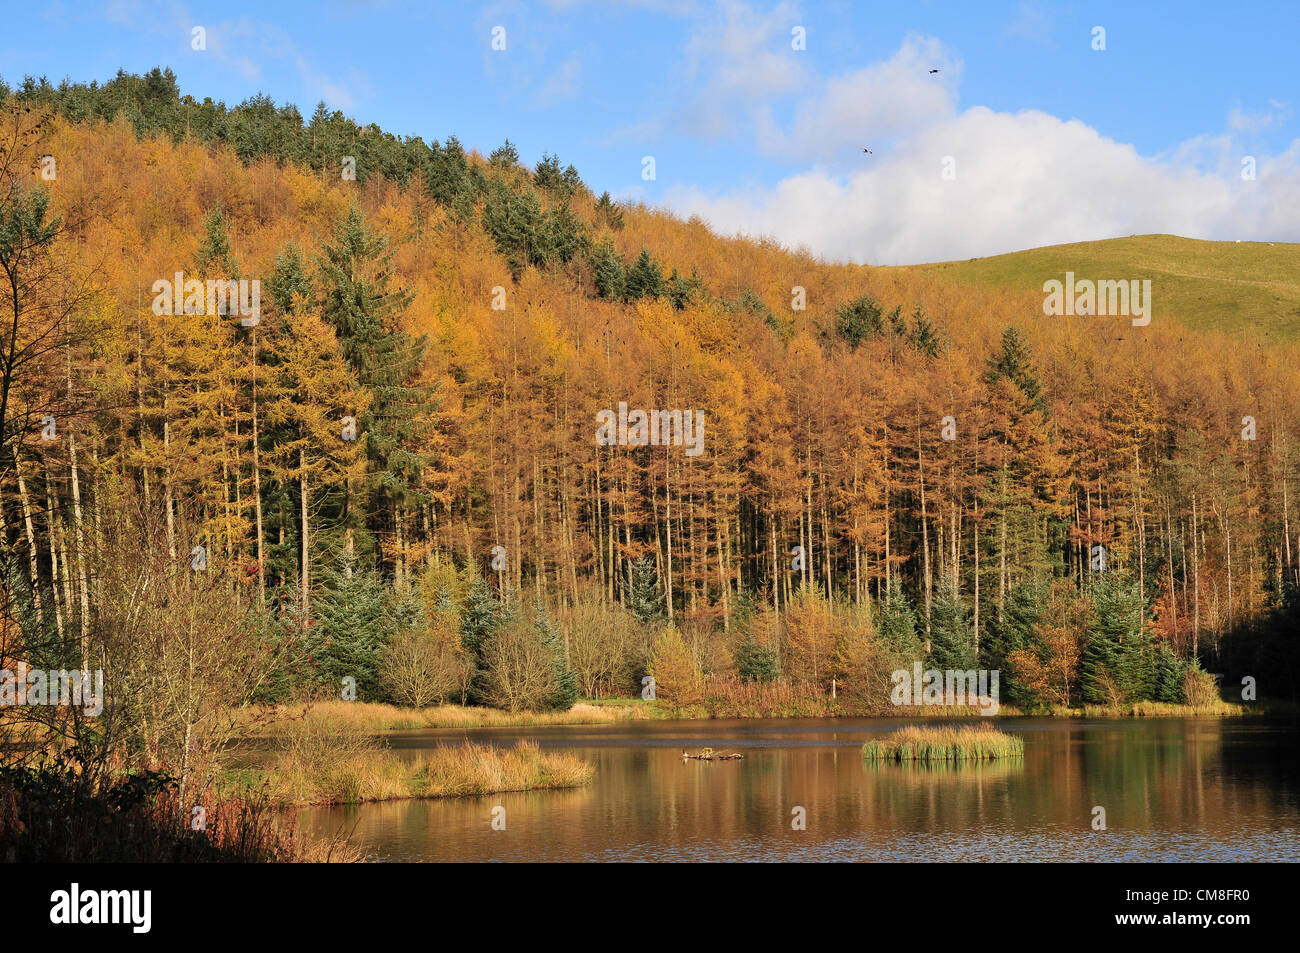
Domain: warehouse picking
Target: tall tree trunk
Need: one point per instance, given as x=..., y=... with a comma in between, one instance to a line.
x=305, y=535
x=80, y=550
x=167, y=485
x=51, y=517
x=776, y=580
x=1196, y=582
x=668, y=522
x=33, y=560
x=257, y=488
x=925, y=531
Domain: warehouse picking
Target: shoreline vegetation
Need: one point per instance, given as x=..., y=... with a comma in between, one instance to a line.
x=358, y=774
x=381, y=718
x=61, y=812
x=335, y=753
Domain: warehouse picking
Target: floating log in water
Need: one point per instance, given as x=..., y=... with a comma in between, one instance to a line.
x=706, y=754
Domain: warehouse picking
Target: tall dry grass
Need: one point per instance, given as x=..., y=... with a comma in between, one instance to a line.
x=1209, y=708
x=375, y=717
x=319, y=762
x=483, y=769
x=944, y=743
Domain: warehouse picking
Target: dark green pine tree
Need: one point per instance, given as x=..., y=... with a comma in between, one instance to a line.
x=213, y=258
x=1096, y=671
x=481, y=617
x=609, y=211
x=366, y=313
x=1014, y=362
x=288, y=279
x=678, y=290
x=323, y=145
x=1114, y=659
x=645, y=279
x=683, y=291
x=550, y=178
x=1169, y=674
x=567, y=235
x=644, y=597
x=1024, y=605
x=354, y=622
x=504, y=156
x=857, y=320
x=756, y=663
x=565, y=680
x=952, y=640
x=923, y=335
x=446, y=174
x=608, y=271
x=897, y=625
x=517, y=224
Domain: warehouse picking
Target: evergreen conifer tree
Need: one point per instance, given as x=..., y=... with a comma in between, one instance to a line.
x=645, y=279
x=644, y=597
x=608, y=271
x=952, y=643
x=366, y=313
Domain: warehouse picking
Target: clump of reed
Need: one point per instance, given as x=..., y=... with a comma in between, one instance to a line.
x=483, y=769
x=944, y=743
x=322, y=762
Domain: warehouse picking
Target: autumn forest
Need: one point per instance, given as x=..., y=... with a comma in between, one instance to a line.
x=391, y=474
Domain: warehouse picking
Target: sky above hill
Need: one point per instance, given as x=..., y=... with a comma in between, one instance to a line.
x=756, y=114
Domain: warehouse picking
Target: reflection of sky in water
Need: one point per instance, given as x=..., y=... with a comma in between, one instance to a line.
x=1173, y=789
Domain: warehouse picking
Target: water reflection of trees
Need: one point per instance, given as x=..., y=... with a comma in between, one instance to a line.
x=1170, y=775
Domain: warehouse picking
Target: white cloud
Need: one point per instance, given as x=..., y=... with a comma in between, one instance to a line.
x=1022, y=180
x=870, y=107
x=735, y=61
x=1240, y=120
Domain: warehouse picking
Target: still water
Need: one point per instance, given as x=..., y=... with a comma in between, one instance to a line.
x=1172, y=790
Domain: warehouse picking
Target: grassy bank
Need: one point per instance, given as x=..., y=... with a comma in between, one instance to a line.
x=377, y=718
x=1212, y=709
x=383, y=775
x=945, y=743
x=743, y=700
x=318, y=760
x=783, y=701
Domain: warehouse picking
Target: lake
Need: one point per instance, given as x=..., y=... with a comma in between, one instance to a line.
x=1172, y=790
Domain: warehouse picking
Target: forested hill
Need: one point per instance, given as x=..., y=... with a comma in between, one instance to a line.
x=945, y=455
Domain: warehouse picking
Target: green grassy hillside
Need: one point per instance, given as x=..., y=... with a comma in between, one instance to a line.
x=1205, y=285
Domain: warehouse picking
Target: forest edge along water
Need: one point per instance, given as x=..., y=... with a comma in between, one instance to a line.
x=1170, y=789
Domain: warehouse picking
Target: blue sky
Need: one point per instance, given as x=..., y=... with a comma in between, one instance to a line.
x=1043, y=138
